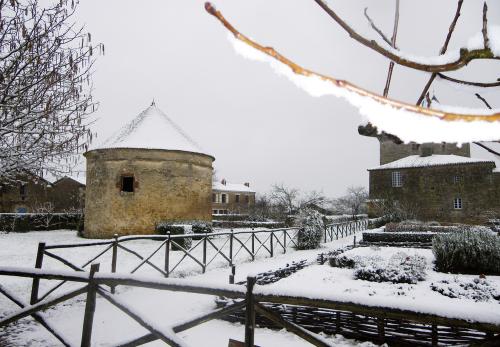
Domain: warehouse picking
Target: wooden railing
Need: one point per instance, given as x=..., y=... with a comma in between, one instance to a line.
x=335, y=231
x=203, y=252
x=255, y=300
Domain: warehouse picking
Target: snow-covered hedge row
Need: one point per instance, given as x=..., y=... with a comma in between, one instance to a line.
x=164, y=228
x=415, y=226
x=23, y=222
x=472, y=250
x=247, y=224
x=311, y=233
x=400, y=237
x=400, y=268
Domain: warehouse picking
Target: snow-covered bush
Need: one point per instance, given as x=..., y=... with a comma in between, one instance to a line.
x=401, y=268
x=201, y=228
x=477, y=289
x=312, y=229
x=164, y=228
x=472, y=250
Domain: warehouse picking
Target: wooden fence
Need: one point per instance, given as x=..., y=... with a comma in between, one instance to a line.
x=248, y=242
x=253, y=300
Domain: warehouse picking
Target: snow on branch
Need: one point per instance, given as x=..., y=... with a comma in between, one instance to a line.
x=445, y=62
x=408, y=122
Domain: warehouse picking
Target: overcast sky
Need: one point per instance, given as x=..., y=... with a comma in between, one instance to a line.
x=259, y=126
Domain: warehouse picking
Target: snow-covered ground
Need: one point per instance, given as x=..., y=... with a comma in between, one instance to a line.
x=162, y=307
x=324, y=281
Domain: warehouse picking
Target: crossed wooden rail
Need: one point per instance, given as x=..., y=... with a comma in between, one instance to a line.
x=249, y=242
x=250, y=298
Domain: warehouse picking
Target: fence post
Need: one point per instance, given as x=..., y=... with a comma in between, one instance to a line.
x=204, y=253
x=88, y=318
x=381, y=329
x=250, y=313
x=434, y=335
x=113, y=259
x=354, y=241
x=233, y=273
x=167, y=255
x=231, y=239
x=284, y=241
x=38, y=265
x=271, y=249
x=253, y=246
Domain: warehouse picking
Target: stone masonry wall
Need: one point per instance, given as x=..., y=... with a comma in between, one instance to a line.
x=170, y=186
x=432, y=190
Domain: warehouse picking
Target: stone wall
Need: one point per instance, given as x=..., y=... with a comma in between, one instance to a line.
x=34, y=194
x=431, y=191
x=233, y=207
x=390, y=151
x=169, y=186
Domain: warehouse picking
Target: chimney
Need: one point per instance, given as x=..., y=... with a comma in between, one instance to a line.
x=223, y=181
x=247, y=184
x=426, y=150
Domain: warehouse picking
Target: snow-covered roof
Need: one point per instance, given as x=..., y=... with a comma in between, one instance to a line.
x=432, y=160
x=232, y=187
x=152, y=129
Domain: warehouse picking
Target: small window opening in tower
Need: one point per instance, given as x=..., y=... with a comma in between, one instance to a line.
x=128, y=184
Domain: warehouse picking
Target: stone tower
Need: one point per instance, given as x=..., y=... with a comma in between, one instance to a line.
x=150, y=171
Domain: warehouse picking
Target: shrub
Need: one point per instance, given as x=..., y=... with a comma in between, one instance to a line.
x=401, y=268
x=477, y=289
x=311, y=233
x=176, y=229
x=200, y=228
x=471, y=250
x=342, y=261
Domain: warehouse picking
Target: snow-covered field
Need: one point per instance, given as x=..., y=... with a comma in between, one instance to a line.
x=162, y=307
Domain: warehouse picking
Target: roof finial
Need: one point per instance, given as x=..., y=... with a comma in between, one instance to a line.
x=153, y=103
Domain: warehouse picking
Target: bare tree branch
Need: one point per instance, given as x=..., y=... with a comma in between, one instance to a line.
x=465, y=57
x=485, y=26
x=299, y=70
x=393, y=44
x=483, y=100
x=470, y=83
x=443, y=49
x=377, y=30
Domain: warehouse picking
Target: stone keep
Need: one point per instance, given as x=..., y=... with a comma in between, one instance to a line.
x=151, y=171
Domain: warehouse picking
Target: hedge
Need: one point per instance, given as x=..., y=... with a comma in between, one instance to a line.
x=246, y=224
x=24, y=222
x=163, y=228
x=400, y=237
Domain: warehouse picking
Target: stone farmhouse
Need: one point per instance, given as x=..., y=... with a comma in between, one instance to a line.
x=31, y=194
x=435, y=181
x=232, y=198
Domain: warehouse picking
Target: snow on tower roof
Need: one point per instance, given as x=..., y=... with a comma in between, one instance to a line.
x=152, y=129
x=414, y=161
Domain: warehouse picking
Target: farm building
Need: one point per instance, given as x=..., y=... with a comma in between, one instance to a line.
x=150, y=172
x=30, y=193
x=232, y=198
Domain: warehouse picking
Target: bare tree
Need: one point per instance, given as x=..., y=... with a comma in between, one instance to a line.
x=313, y=198
x=285, y=197
x=45, y=86
x=353, y=203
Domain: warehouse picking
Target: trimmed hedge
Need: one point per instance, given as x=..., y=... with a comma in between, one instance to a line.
x=246, y=224
x=422, y=227
x=472, y=250
x=176, y=229
x=400, y=237
x=24, y=222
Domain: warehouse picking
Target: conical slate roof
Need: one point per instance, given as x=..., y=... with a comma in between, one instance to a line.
x=152, y=129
